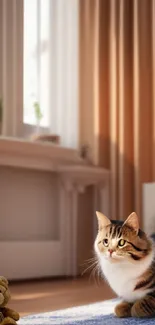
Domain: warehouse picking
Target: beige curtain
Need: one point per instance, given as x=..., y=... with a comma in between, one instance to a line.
x=11, y=65
x=117, y=94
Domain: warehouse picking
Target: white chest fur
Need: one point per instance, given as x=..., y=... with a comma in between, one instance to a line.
x=123, y=276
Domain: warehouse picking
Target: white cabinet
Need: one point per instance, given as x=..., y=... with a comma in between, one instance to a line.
x=39, y=189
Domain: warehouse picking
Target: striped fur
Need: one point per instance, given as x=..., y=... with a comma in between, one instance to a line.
x=127, y=259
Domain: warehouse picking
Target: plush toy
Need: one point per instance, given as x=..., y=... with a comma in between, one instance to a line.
x=7, y=315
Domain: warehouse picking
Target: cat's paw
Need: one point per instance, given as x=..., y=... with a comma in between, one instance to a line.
x=123, y=310
x=144, y=307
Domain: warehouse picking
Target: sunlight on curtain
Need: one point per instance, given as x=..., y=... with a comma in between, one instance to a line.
x=126, y=108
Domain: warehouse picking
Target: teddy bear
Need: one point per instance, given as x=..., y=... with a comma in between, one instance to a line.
x=7, y=315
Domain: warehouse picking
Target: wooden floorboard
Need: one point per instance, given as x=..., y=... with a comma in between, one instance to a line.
x=42, y=296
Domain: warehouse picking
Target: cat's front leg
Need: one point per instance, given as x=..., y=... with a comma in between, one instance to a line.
x=144, y=307
x=123, y=309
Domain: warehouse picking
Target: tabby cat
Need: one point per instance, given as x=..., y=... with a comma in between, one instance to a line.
x=127, y=260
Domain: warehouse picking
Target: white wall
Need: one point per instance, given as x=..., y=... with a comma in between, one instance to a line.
x=149, y=208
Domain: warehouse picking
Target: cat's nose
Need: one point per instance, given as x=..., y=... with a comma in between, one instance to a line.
x=110, y=251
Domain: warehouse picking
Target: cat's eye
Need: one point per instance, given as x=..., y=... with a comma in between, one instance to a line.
x=105, y=242
x=121, y=242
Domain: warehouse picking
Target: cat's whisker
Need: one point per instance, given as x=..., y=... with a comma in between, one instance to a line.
x=89, y=261
x=95, y=274
x=92, y=273
x=93, y=267
x=89, y=267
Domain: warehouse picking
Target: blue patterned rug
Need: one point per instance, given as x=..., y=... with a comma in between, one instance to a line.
x=95, y=314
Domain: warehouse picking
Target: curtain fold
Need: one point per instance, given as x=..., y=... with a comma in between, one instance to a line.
x=11, y=65
x=125, y=133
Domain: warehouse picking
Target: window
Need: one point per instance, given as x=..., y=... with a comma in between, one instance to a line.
x=51, y=67
x=36, y=59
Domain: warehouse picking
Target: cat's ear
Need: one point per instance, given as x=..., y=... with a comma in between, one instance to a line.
x=132, y=222
x=103, y=221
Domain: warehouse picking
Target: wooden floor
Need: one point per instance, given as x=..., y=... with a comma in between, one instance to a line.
x=42, y=296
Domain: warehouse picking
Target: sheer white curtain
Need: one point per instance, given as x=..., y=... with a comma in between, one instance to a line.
x=51, y=66
x=36, y=59
x=39, y=62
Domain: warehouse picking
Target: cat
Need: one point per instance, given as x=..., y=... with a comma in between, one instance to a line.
x=126, y=257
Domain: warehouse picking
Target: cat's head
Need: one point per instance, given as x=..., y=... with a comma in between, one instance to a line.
x=121, y=241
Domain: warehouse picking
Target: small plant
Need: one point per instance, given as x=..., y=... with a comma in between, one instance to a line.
x=84, y=151
x=37, y=112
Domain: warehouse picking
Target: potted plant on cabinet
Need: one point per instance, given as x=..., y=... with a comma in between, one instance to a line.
x=39, y=136
x=38, y=115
